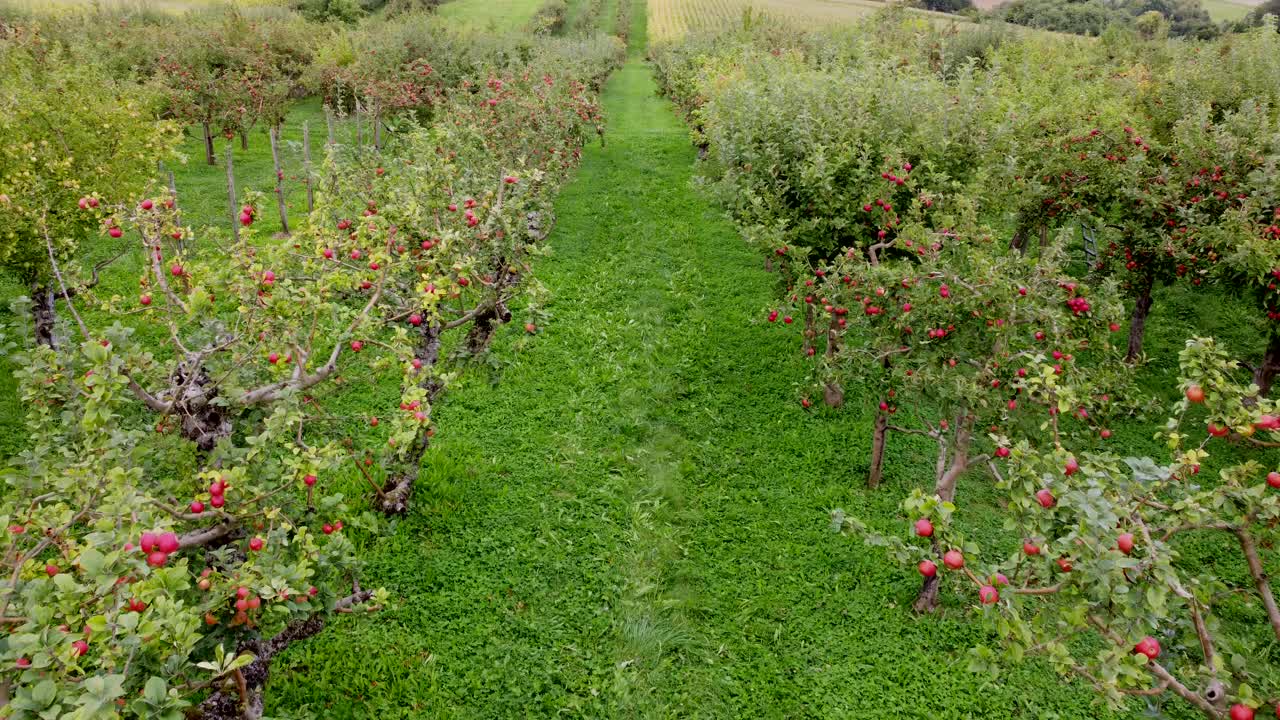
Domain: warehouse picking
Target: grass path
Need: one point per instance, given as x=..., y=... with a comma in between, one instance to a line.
x=630, y=521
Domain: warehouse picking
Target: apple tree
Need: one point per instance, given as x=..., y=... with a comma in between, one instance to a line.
x=1116, y=568
x=68, y=130
x=139, y=580
x=464, y=228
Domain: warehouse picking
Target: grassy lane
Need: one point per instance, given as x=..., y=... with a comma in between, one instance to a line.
x=628, y=517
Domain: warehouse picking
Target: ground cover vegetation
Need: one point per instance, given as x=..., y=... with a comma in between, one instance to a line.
x=349, y=347
x=176, y=513
x=957, y=235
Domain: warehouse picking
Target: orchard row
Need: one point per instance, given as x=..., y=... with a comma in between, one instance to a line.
x=181, y=510
x=895, y=180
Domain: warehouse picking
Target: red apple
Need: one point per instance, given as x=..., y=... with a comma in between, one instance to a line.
x=1125, y=543
x=1045, y=498
x=148, y=542
x=1149, y=647
x=1071, y=467
x=988, y=595
x=114, y=231
x=1195, y=394
x=1104, y=434
x=157, y=559
x=309, y=480
x=1002, y=452
x=255, y=544
x=1030, y=548
x=1241, y=712
x=927, y=568
x=924, y=528
x=197, y=507
x=953, y=559
x=81, y=647
x=145, y=300
x=1064, y=565
x=167, y=543
x=51, y=570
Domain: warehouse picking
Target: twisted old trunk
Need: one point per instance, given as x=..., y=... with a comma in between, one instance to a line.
x=945, y=489
x=44, y=312
x=239, y=696
x=1138, y=321
x=394, y=499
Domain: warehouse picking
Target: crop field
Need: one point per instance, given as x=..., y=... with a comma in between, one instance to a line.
x=673, y=18
x=485, y=15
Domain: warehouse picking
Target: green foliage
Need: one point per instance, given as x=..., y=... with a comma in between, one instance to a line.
x=550, y=18
x=1102, y=554
x=69, y=131
x=344, y=11
x=1080, y=17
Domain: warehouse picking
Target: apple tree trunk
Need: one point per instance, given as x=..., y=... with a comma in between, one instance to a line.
x=44, y=313
x=1138, y=321
x=878, y=437
x=394, y=499
x=275, y=161
x=945, y=489
x=306, y=164
x=209, y=157
x=1265, y=374
x=204, y=420
x=232, y=204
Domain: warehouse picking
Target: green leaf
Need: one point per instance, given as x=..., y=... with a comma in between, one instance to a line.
x=44, y=693
x=92, y=561
x=156, y=690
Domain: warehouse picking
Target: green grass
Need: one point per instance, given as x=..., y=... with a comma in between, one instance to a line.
x=490, y=15
x=202, y=189
x=202, y=198
x=629, y=518
x=1220, y=10
x=627, y=515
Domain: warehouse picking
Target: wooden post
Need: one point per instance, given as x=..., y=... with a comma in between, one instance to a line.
x=377, y=131
x=328, y=118
x=231, y=196
x=275, y=160
x=208, y=144
x=306, y=164
x=173, y=197
x=359, y=134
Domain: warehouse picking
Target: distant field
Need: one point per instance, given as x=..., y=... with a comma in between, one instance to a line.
x=1227, y=9
x=1219, y=10
x=170, y=6
x=672, y=18
x=499, y=15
